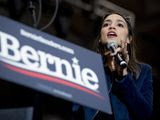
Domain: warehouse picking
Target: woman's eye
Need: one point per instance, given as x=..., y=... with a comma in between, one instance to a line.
x=120, y=25
x=105, y=24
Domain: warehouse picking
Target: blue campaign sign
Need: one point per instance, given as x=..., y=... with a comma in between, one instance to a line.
x=37, y=60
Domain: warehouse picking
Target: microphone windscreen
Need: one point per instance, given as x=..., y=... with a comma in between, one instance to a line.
x=112, y=45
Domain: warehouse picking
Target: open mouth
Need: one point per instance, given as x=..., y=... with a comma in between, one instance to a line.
x=111, y=34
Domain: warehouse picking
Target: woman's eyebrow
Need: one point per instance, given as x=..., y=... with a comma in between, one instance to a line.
x=118, y=20
x=108, y=20
x=121, y=21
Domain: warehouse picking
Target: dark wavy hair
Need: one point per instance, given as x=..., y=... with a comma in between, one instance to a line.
x=133, y=65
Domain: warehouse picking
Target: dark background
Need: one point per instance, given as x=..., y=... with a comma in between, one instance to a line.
x=77, y=21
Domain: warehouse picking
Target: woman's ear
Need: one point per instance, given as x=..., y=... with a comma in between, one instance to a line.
x=99, y=41
x=129, y=39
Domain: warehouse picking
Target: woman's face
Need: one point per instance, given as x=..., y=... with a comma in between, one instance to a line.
x=114, y=28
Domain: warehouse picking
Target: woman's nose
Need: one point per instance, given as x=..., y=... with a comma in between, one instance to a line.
x=112, y=27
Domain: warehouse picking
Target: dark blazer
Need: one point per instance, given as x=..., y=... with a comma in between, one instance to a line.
x=131, y=99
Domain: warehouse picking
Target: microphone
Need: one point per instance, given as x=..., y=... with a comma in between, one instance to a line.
x=112, y=46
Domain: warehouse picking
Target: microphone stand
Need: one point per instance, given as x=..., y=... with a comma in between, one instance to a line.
x=33, y=13
x=38, y=98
